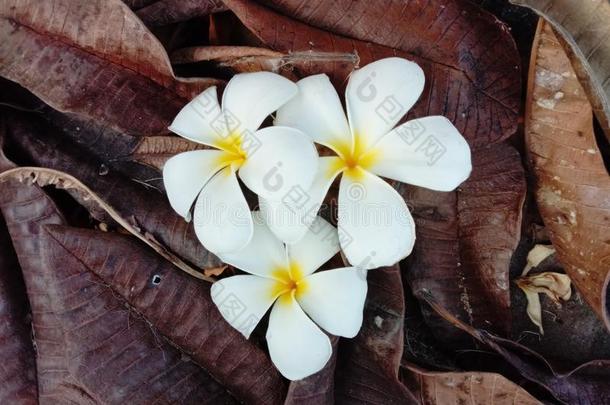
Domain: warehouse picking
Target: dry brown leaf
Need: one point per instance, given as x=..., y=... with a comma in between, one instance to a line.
x=474, y=388
x=585, y=33
x=572, y=185
x=155, y=150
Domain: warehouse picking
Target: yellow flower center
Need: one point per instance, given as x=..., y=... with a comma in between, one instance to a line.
x=353, y=158
x=289, y=282
x=233, y=153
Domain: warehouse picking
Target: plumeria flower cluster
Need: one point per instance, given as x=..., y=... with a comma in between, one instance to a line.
x=284, y=276
x=284, y=243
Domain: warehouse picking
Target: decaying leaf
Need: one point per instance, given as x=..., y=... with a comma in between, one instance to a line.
x=572, y=185
x=469, y=58
x=155, y=150
x=437, y=388
x=585, y=384
x=94, y=58
x=465, y=241
x=18, y=373
x=585, y=32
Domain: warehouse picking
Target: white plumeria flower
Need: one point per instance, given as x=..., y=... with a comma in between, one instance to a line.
x=375, y=226
x=269, y=161
x=284, y=275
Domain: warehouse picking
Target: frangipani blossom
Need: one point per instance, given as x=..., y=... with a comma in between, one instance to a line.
x=375, y=226
x=269, y=161
x=283, y=276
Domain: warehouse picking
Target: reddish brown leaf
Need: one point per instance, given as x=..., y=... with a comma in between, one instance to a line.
x=572, y=185
x=164, y=12
x=18, y=373
x=95, y=58
x=434, y=388
x=468, y=56
x=367, y=365
x=466, y=238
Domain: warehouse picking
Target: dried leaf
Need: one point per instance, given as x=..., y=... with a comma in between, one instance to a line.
x=585, y=384
x=18, y=373
x=368, y=365
x=572, y=186
x=585, y=36
x=468, y=56
x=436, y=388
x=465, y=241
x=164, y=12
x=97, y=58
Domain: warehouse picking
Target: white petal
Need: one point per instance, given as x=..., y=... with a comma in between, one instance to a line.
x=185, y=174
x=297, y=347
x=250, y=97
x=375, y=226
x=380, y=94
x=290, y=217
x=319, y=244
x=427, y=152
x=285, y=159
x=201, y=120
x=223, y=222
x=316, y=110
x=243, y=300
x=262, y=255
x=334, y=299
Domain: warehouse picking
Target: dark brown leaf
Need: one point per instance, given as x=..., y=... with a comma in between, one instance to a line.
x=95, y=58
x=468, y=56
x=164, y=12
x=586, y=384
x=572, y=185
x=367, y=365
x=465, y=241
x=18, y=373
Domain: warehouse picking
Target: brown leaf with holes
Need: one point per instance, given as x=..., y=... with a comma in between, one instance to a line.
x=572, y=185
x=438, y=388
x=584, y=33
x=95, y=58
x=469, y=58
x=465, y=241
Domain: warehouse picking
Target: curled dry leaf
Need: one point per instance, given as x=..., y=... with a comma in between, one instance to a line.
x=584, y=30
x=572, y=185
x=468, y=56
x=154, y=151
x=436, y=388
x=18, y=374
x=465, y=241
x=98, y=59
x=585, y=384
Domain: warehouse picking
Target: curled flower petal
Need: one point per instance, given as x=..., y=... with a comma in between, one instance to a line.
x=297, y=347
x=222, y=220
x=334, y=299
x=316, y=110
x=375, y=226
x=201, y=119
x=243, y=300
x=250, y=97
x=185, y=174
x=319, y=244
x=291, y=217
x=379, y=94
x=427, y=152
x=284, y=159
x=262, y=255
